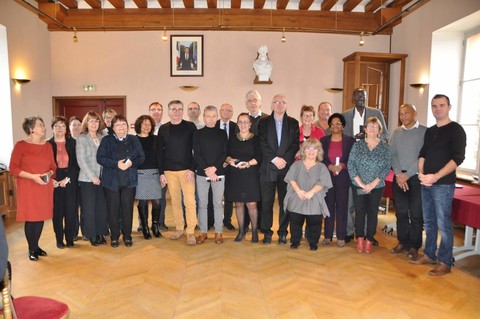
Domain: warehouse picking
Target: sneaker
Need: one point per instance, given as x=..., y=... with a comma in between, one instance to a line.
x=341, y=243
x=177, y=234
x=191, y=240
x=218, y=238
x=326, y=241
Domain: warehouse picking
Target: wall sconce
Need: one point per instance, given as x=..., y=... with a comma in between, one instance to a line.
x=334, y=90
x=188, y=87
x=75, y=38
x=418, y=85
x=283, y=39
x=20, y=82
x=164, y=36
x=362, y=41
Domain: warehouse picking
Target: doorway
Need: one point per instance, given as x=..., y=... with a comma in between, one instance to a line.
x=79, y=106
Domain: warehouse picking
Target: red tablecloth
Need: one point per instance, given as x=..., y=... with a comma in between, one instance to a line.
x=466, y=206
x=388, y=191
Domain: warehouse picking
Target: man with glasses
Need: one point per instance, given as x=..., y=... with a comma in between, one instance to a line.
x=279, y=142
x=156, y=112
x=230, y=127
x=176, y=167
x=253, y=102
x=193, y=114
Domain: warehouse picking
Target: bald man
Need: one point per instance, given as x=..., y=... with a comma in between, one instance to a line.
x=324, y=112
x=405, y=144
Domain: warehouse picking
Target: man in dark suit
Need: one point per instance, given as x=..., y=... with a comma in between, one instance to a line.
x=187, y=62
x=279, y=141
x=230, y=127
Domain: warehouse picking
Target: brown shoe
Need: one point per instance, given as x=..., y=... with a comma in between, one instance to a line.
x=201, y=238
x=398, y=249
x=425, y=260
x=191, y=240
x=412, y=254
x=440, y=270
x=218, y=238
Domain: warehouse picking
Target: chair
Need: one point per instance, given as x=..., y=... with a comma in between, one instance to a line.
x=30, y=307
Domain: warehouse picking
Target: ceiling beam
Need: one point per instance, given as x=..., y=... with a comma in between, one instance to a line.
x=304, y=4
x=373, y=5
x=141, y=3
x=258, y=4
x=328, y=4
x=166, y=4
x=95, y=4
x=349, y=5
x=189, y=4
x=282, y=4
x=235, y=4
x=72, y=4
x=117, y=4
x=207, y=19
x=399, y=3
x=212, y=4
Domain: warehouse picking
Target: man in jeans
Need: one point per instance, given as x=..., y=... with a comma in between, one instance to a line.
x=442, y=152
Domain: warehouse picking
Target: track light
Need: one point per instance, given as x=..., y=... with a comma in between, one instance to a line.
x=361, y=42
x=164, y=36
x=284, y=39
x=75, y=39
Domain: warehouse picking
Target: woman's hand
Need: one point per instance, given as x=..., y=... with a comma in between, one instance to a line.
x=301, y=194
x=124, y=165
x=309, y=194
x=37, y=178
x=96, y=181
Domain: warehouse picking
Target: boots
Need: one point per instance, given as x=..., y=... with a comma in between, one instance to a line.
x=161, y=217
x=143, y=214
x=155, y=222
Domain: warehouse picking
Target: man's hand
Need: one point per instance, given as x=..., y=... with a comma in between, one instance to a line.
x=163, y=180
x=427, y=179
x=190, y=177
x=402, y=179
x=280, y=163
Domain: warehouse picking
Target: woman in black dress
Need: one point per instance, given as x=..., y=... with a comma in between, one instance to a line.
x=243, y=181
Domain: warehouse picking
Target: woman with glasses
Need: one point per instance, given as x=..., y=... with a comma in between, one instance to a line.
x=307, y=183
x=94, y=208
x=307, y=129
x=368, y=166
x=32, y=165
x=337, y=148
x=120, y=154
x=243, y=179
x=65, y=183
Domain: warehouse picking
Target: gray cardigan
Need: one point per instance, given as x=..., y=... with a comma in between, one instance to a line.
x=87, y=158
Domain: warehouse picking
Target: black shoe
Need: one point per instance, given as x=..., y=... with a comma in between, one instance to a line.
x=70, y=244
x=239, y=237
x=348, y=238
x=94, y=242
x=155, y=231
x=163, y=227
x=313, y=247
x=229, y=226
x=114, y=243
x=282, y=239
x=60, y=245
x=101, y=240
x=139, y=228
x=33, y=256
x=375, y=242
x=267, y=239
x=41, y=252
x=254, y=236
x=294, y=245
x=128, y=242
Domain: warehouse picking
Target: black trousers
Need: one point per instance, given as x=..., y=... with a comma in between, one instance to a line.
x=366, y=205
x=337, y=202
x=314, y=224
x=94, y=210
x=268, y=197
x=120, y=207
x=408, y=207
x=64, y=205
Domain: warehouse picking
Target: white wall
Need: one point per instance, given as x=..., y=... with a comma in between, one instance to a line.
x=414, y=37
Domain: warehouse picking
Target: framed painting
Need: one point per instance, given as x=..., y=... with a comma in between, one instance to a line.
x=186, y=55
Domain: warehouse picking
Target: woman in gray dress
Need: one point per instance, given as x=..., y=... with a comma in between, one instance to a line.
x=308, y=181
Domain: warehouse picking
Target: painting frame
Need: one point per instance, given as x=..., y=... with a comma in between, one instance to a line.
x=186, y=62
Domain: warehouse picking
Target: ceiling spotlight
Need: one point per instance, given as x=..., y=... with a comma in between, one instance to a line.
x=361, y=42
x=284, y=39
x=164, y=36
x=75, y=39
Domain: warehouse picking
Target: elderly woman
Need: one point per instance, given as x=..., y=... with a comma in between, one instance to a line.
x=307, y=129
x=149, y=187
x=65, y=182
x=368, y=165
x=337, y=148
x=94, y=208
x=243, y=181
x=120, y=154
x=32, y=164
x=308, y=181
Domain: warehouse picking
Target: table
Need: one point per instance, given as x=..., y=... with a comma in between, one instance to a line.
x=466, y=211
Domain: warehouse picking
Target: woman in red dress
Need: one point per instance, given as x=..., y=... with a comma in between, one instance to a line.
x=32, y=164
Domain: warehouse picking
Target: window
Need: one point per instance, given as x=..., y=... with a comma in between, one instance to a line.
x=469, y=110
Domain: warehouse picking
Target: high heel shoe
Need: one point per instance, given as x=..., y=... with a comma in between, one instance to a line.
x=94, y=242
x=239, y=236
x=254, y=236
x=368, y=246
x=41, y=252
x=33, y=256
x=360, y=245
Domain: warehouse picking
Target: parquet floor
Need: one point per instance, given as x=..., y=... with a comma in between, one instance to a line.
x=161, y=278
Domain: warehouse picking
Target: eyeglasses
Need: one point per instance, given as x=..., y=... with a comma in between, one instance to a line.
x=252, y=100
x=176, y=110
x=307, y=115
x=193, y=109
x=93, y=121
x=279, y=102
x=226, y=111
x=336, y=124
x=120, y=124
x=372, y=126
x=243, y=122
x=59, y=126
x=156, y=110
x=311, y=148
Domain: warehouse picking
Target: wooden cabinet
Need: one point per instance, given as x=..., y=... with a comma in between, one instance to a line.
x=372, y=72
x=7, y=193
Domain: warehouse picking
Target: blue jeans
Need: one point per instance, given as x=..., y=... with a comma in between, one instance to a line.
x=437, y=215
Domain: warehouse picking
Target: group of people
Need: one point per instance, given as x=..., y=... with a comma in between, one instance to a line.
x=329, y=172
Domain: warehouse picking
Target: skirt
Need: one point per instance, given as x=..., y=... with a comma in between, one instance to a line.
x=149, y=186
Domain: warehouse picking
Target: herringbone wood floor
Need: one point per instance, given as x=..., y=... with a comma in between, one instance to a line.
x=161, y=278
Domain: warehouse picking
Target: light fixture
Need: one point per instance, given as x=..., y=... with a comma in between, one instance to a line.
x=361, y=42
x=19, y=82
x=418, y=85
x=89, y=87
x=284, y=39
x=164, y=36
x=75, y=38
x=188, y=87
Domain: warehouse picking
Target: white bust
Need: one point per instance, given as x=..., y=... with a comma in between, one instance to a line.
x=263, y=65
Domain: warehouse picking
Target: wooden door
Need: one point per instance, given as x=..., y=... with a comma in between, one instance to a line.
x=79, y=106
